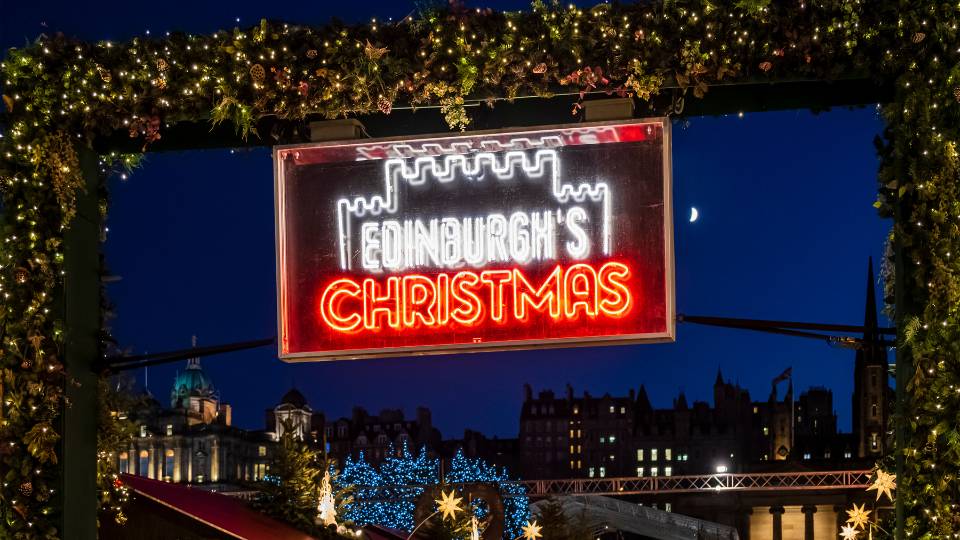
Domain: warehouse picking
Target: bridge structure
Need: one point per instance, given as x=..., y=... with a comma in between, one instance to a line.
x=704, y=483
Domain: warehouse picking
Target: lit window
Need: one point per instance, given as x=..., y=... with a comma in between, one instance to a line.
x=143, y=431
x=806, y=455
x=262, y=451
x=579, y=434
x=603, y=472
x=721, y=469
x=169, y=429
x=603, y=440
x=623, y=410
x=639, y=471
x=576, y=409
x=653, y=454
x=144, y=464
x=756, y=409
x=579, y=448
x=612, y=438
x=571, y=433
x=591, y=472
x=826, y=455
x=579, y=464
x=654, y=471
x=667, y=506
x=639, y=454
x=766, y=430
x=612, y=409
x=611, y=457
x=571, y=448
x=168, y=465
x=199, y=479
x=124, y=460
x=571, y=464
x=847, y=455
x=668, y=471
x=874, y=441
x=668, y=454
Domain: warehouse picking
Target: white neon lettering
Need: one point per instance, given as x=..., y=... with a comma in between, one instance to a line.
x=496, y=229
x=579, y=247
x=370, y=232
x=392, y=247
x=451, y=246
x=473, y=241
x=542, y=239
x=519, y=237
x=484, y=239
x=428, y=243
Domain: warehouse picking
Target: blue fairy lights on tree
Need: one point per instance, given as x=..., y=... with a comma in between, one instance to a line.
x=387, y=495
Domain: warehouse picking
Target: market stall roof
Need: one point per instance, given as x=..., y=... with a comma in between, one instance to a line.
x=224, y=514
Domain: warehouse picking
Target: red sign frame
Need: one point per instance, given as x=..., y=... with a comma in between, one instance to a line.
x=567, y=241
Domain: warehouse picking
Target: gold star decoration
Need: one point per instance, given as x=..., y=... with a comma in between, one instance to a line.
x=847, y=532
x=859, y=516
x=531, y=531
x=884, y=483
x=449, y=504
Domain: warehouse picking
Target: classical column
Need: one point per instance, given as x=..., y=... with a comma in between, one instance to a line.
x=777, y=512
x=808, y=511
x=743, y=522
x=176, y=463
x=215, y=460
x=840, y=520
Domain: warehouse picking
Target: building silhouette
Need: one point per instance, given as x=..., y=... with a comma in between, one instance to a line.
x=570, y=436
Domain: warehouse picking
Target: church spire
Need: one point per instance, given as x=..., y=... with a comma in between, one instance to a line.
x=193, y=362
x=719, y=380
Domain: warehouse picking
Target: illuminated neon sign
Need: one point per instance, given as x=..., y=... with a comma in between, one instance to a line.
x=540, y=237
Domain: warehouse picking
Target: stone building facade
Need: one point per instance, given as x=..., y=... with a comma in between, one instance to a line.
x=193, y=440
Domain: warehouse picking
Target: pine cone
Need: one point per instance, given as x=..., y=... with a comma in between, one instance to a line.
x=26, y=489
x=162, y=64
x=766, y=66
x=918, y=37
x=257, y=73
x=540, y=68
x=384, y=105
x=312, y=53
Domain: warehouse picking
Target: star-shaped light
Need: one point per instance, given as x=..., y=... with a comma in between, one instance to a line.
x=858, y=516
x=847, y=532
x=884, y=483
x=531, y=531
x=449, y=504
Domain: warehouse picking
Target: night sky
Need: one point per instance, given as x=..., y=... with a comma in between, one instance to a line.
x=785, y=229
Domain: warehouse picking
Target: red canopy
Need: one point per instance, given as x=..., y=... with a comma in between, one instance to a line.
x=220, y=512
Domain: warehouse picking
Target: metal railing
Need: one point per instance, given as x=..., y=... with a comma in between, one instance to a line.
x=651, y=485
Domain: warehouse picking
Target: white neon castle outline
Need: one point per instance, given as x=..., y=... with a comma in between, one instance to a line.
x=443, y=169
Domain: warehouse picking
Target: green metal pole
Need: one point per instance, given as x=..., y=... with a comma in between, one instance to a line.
x=903, y=369
x=81, y=292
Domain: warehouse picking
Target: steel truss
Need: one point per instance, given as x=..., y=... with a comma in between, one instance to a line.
x=652, y=485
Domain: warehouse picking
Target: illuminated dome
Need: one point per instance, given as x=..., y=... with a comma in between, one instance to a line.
x=192, y=382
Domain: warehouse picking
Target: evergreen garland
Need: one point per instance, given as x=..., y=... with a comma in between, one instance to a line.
x=60, y=92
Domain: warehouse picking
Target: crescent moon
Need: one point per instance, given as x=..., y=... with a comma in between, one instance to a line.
x=694, y=214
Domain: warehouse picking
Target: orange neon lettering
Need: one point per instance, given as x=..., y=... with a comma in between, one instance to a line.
x=420, y=301
x=616, y=301
x=419, y=296
x=376, y=305
x=470, y=307
x=495, y=279
x=330, y=304
x=443, y=299
x=548, y=295
x=580, y=284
